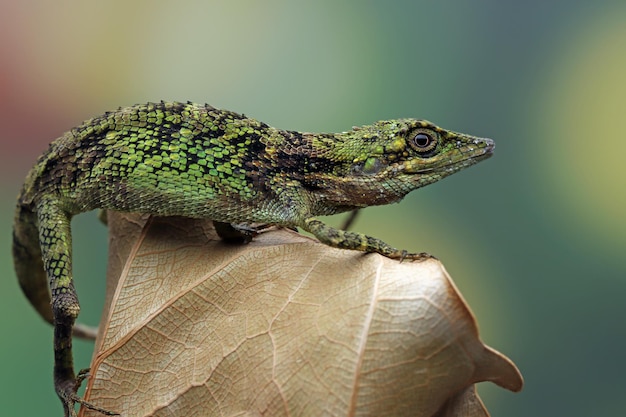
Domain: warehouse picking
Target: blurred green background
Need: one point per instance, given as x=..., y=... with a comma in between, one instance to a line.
x=535, y=237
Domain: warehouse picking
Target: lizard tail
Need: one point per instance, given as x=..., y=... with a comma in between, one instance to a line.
x=30, y=270
x=28, y=262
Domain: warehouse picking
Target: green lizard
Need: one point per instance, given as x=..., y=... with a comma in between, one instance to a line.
x=197, y=161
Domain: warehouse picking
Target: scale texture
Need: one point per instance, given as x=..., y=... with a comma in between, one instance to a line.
x=197, y=161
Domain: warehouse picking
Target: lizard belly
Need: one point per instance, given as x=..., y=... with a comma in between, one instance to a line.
x=220, y=203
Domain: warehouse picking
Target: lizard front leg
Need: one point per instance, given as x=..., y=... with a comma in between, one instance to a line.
x=55, y=239
x=356, y=241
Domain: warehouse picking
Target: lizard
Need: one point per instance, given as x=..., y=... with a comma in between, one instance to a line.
x=193, y=160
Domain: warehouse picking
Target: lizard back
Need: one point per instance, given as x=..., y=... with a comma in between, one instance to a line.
x=163, y=158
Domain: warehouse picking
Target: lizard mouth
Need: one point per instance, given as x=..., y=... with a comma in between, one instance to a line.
x=488, y=147
x=468, y=153
x=481, y=148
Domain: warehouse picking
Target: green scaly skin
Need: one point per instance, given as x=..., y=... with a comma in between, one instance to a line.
x=194, y=160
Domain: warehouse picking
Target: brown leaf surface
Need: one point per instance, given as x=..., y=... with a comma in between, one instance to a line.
x=283, y=326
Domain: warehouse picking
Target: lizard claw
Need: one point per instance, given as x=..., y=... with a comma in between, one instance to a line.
x=66, y=390
x=80, y=377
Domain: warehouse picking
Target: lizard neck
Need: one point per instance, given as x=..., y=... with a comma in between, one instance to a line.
x=339, y=174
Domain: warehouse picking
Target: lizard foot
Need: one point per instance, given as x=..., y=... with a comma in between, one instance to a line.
x=239, y=233
x=66, y=390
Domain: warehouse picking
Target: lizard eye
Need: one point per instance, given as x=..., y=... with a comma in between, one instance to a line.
x=424, y=142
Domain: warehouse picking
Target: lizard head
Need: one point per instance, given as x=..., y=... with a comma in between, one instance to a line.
x=384, y=161
x=417, y=149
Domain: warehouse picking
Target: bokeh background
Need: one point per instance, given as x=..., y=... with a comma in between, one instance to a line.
x=535, y=237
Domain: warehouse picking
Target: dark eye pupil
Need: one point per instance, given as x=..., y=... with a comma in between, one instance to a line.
x=422, y=140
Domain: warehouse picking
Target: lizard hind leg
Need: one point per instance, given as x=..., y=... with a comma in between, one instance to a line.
x=55, y=240
x=30, y=271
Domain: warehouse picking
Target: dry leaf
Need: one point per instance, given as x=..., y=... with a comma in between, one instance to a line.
x=283, y=326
